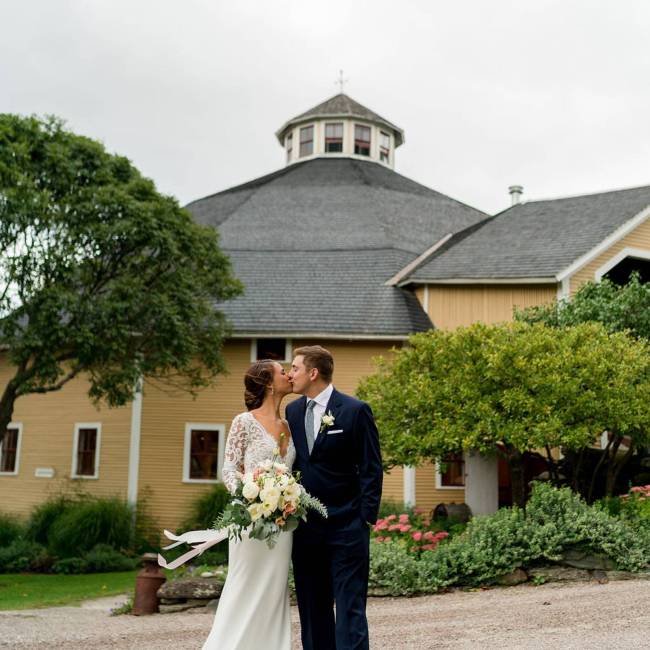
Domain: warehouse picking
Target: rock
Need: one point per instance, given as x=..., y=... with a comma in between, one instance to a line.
x=181, y=607
x=599, y=576
x=189, y=588
x=628, y=575
x=213, y=604
x=560, y=574
x=515, y=577
x=583, y=560
x=378, y=592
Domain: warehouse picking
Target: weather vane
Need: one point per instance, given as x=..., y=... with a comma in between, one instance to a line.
x=341, y=81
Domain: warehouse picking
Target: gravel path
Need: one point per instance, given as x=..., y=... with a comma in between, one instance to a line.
x=583, y=615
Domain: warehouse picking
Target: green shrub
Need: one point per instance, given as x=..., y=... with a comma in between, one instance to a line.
x=10, y=529
x=393, y=569
x=633, y=507
x=206, y=508
x=70, y=565
x=43, y=517
x=91, y=521
x=391, y=507
x=103, y=559
x=24, y=555
x=203, y=513
x=555, y=521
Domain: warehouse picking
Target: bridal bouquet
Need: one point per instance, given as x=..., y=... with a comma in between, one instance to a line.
x=268, y=501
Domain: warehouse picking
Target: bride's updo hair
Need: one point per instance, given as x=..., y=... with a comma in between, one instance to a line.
x=256, y=380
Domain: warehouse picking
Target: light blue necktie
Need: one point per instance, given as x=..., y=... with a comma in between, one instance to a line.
x=309, y=424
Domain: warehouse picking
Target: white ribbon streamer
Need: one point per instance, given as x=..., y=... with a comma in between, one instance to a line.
x=201, y=540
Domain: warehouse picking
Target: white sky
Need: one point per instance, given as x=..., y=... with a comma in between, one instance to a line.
x=550, y=94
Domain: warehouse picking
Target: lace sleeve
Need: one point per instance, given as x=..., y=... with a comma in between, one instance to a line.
x=234, y=453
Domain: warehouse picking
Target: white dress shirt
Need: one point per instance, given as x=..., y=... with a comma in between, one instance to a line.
x=319, y=408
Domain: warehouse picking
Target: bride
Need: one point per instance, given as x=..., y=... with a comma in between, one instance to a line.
x=253, y=610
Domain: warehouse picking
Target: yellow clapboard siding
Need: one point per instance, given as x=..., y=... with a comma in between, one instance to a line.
x=427, y=495
x=165, y=414
x=452, y=306
x=638, y=238
x=48, y=423
x=393, y=488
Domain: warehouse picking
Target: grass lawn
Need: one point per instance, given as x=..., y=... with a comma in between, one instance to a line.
x=25, y=591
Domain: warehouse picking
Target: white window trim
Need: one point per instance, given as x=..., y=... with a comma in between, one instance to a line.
x=189, y=426
x=440, y=486
x=633, y=253
x=288, y=348
x=86, y=425
x=19, y=426
x=313, y=141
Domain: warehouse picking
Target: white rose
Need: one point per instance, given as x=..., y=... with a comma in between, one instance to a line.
x=266, y=464
x=268, y=508
x=327, y=420
x=251, y=490
x=255, y=510
x=291, y=492
x=270, y=495
x=283, y=480
x=281, y=466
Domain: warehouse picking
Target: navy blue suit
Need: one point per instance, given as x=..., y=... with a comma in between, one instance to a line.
x=331, y=556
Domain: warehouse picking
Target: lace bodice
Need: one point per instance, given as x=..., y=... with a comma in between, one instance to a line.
x=248, y=444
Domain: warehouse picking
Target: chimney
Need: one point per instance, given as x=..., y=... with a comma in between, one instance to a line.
x=515, y=192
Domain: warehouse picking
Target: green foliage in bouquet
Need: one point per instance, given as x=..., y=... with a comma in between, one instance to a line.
x=267, y=502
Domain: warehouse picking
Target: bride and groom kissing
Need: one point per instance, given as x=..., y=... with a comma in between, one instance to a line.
x=332, y=440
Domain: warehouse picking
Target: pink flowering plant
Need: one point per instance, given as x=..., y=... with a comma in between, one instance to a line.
x=412, y=530
x=635, y=505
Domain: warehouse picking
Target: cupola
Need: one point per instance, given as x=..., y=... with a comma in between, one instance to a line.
x=340, y=127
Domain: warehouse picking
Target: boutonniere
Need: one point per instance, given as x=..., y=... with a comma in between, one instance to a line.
x=326, y=420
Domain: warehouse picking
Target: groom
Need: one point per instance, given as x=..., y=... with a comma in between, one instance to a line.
x=338, y=456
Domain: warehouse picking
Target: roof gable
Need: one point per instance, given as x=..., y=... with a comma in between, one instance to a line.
x=537, y=239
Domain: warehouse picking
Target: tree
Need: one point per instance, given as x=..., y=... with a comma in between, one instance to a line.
x=509, y=389
x=100, y=274
x=618, y=308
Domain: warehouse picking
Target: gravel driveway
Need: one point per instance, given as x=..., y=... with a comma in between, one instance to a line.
x=582, y=615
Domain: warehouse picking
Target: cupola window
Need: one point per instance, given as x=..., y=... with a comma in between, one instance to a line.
x=384, y=147
x=361, y=140
x=306, y=141
x=334, y=138
x=289, y=145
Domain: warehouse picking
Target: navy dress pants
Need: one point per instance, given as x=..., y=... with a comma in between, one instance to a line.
x=331, y=567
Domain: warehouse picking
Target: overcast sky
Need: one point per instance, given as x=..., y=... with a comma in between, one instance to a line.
x=553, y=95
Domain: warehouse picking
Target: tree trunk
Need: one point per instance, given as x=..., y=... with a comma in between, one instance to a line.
x=614, y=469
x=605, y=456
x=7, y=402
x=517, y=479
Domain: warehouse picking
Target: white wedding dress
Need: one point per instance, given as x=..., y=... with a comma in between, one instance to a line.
x=253, y=610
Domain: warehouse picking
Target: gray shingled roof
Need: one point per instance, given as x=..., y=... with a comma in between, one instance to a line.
x=315, y=242
x=332, y=204
x=341, y=106
x=535, y=239
x=335, y=292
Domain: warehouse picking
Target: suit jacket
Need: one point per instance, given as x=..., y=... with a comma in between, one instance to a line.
x=344, y=469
